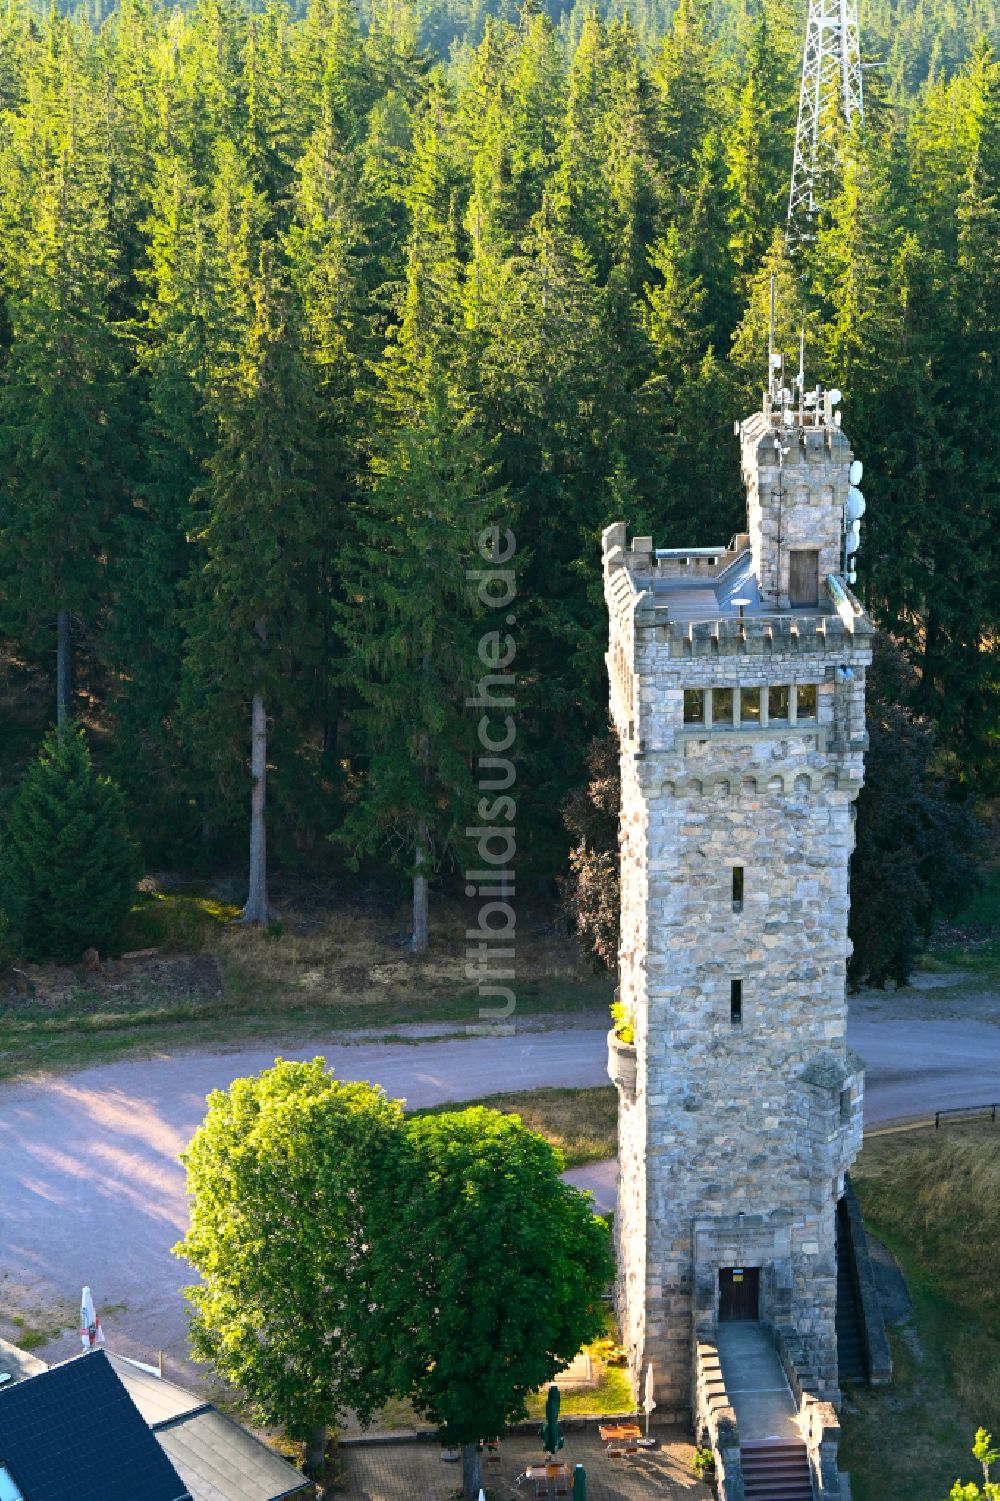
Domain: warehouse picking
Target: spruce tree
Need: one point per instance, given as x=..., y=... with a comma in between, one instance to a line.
x=69, y=865
x=697, y=484
x=686, y=82
x=63, y=445
x=411, y=623
x=253, y=631
x=152, y=557
x=759, y=137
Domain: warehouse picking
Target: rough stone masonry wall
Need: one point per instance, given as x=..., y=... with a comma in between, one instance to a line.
x=797, y=504
x=630, y=1218
x=746, y=1121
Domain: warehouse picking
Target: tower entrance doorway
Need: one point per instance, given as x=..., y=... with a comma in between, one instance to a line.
x=803, y=578
x=739, y=1293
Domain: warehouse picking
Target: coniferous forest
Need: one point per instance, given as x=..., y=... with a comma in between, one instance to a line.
x=296, y=303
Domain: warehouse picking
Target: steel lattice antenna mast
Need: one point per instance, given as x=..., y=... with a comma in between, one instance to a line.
x=831, y=84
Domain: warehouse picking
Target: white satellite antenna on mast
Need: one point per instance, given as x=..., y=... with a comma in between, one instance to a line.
x=831, y=86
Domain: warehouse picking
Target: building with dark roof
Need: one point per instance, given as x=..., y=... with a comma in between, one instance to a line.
x=216, y=1458
x=74, y=1431
x=103, y=1428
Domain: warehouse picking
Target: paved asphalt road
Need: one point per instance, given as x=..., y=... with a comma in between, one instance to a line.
x=91, y=1189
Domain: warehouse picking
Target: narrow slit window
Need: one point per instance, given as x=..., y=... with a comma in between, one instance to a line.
x=845, y=1106
x=805, y=706
x=722, y=705
x=736, y=1002
x=777, y=705
x=737, y=888
x=750, y=706
x=694, y=706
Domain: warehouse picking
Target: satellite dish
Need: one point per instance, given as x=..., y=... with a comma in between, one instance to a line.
x=856, y=506
x=835, y=396
x=853, y=537
x=857, y=472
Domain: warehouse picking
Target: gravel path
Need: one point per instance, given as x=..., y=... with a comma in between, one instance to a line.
x=92, y=1190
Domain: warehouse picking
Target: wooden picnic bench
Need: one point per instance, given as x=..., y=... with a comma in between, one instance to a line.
x=549, y=1480
x=620, y=1439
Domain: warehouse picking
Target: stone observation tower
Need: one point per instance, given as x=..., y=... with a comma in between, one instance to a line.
x=738, y=695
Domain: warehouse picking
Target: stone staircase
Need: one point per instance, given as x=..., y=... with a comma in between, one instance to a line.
x=776, y=1470
x=850, y=1346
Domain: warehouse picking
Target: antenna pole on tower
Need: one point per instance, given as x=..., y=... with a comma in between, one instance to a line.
x=802, y=376
x=770, y=342
x=831, y=87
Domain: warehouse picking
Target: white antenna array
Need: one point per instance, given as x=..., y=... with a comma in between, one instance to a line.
x=831, y=84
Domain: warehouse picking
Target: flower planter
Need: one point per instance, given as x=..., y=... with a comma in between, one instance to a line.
x=621, y=1064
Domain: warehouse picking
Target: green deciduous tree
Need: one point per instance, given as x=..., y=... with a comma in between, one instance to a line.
x=69, y=865
x=983, y=1450
x=591, y=893
x=501, y=1271
x=347, y=1256
x=286, y=1177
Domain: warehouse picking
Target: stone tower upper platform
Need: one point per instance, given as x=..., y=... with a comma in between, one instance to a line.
x=777, y=590
x=790, y=562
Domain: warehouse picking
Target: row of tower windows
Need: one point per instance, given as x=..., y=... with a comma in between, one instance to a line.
x=736, y=986
x=728, y=708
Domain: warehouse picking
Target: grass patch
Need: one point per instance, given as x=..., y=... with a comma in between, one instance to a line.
x=972, y=939
x=934, y=1198
x=77, y=1035
x=31, y=1338
x=325, y=972
x=613, y=1392
x=176, y=922
x=581, y=1123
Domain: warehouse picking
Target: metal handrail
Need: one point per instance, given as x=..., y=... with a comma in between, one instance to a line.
x=966, y=1110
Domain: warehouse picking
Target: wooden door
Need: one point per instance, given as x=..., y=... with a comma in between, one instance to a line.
x=739, y=1292
x=803, y=577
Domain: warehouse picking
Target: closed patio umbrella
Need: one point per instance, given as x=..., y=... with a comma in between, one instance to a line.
x=550, y=1433
x=91, y=1333
x=579, y=1484
x=647, y=1402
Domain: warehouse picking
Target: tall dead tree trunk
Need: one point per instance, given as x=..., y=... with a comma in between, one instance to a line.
x=422, y=843
x=422, y=857
x=257, y=908
x=64, y=671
